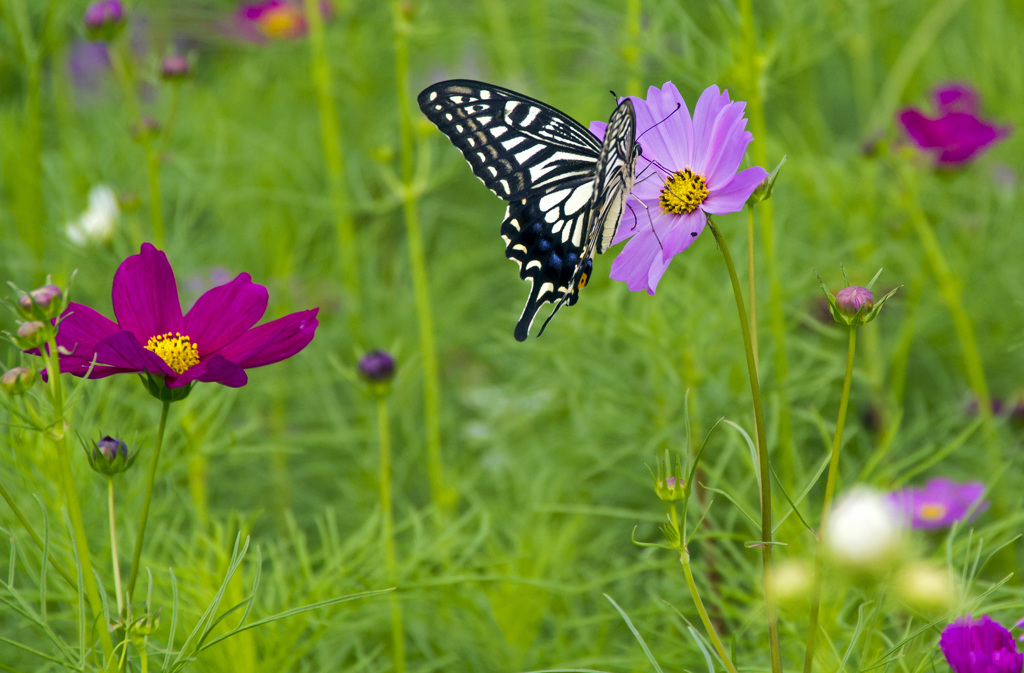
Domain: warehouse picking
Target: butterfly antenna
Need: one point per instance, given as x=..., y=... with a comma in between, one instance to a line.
x=666, y=118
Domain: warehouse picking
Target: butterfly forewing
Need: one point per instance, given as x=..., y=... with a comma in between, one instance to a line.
x=553, y=172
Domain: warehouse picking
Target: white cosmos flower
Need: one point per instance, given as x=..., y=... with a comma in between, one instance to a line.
x=864, y=529
x=97, y=223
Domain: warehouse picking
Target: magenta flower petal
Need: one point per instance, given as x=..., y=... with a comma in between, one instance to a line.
x=214, y=369
x=123, y=351
x=274, y=341
x=210, y=328
x=957, y=134
x=145, y=296
x=980, y=646
x=81, y=328
x=687, y=170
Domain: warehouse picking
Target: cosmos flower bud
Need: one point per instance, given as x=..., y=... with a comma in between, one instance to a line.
x=32, y=334
x=763, y=191
x=17, y=380
x=175, y=67
x=42, y=303
x=104, y=20
x=854, y=299
x=377, y=366
x=669, y=483
x=855, y=305
x=110, y=456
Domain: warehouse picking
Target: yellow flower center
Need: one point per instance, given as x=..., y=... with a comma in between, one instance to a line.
x=683, y=192
x=176, y=350
x=281, y=21
x=932, y=511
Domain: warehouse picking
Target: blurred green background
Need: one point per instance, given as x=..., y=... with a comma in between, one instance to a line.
x=548, y=443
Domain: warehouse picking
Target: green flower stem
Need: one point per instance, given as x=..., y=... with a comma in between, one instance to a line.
x=826, y=506
x=752, y=285
x=74, y=508
x=114, y=562
x=684, y=558
x=150, y=480
x=442, y=495
x=776, y=316
x=764, y=476
x=334, y=159
x=949, y=288
x=387, y=514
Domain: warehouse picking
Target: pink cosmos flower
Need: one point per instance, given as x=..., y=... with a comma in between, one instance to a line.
x=687, y=171
x=980, y=646
x=216, y=341
x=957, y=134
x=940, y=504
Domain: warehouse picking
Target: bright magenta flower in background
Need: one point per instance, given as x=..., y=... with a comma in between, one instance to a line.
x=273, y=20
x=956, y=134
x=940, y=504
x=690, y=168
x=980, y=646
x=216, y=341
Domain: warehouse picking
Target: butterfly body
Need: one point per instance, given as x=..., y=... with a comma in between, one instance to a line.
x=565, y=188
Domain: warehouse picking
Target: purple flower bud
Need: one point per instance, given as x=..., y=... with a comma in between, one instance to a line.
x=175, y=67
x=42, y=303
x=104, y=19
x=110, y=456
x=17, y=380
x=110, y=449
x=377, y=366
x=851, y=300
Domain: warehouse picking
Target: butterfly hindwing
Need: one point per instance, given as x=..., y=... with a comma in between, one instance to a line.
x=555, y=174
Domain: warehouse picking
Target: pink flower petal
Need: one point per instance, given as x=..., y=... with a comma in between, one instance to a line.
x=225, y=313
x=705, y=113
x=145, y=295
x=734, y=196
x=685, y=230
x=214, y=369
x=728, y=144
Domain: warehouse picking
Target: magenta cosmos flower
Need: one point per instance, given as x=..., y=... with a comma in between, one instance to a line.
x=687, y=171
x=980, y=646
x=940, y=503
x=216, y=341
x=956, y=134
x=266, y=20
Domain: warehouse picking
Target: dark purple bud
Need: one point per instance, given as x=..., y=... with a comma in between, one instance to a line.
x=110, y=448
x=851, y=300
x=110, y=456
x=174, y=67
x=17, y=380
x=104, y=19
x=377, y=367
x=41, y=303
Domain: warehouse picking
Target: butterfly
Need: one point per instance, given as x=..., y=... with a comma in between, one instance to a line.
x=565, y=188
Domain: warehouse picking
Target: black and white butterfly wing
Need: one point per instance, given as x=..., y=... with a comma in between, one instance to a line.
x=540, y=160
x=615, y=175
